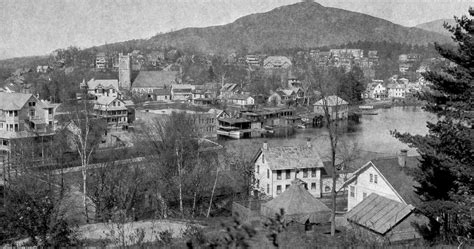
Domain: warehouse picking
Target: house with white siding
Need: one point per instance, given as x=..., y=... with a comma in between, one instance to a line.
x=276, y=167
x=386, y=177
x=396, y=91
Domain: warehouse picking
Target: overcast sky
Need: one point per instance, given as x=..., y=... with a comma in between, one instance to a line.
x=37, y=27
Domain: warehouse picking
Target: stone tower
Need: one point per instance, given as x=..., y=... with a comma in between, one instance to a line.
x=125, y=71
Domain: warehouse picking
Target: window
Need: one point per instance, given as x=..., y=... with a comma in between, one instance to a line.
x=288, y=174
x=31, y=104
x=352, y=191
x=278, y=189
x=287, y=186
x=263, y=158
x=278, y=174
x=258, y=169
x=268, y=173
x=327, y=188
x=375, y=178
x=364, y=195
x=258, y=183
x=305, y=173
x=50, y=111
x=268, y=188
x=371, y=178
x=32, y=112
x=313, y=172
x=313, y=185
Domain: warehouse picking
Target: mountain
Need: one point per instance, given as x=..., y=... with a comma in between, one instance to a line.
x=437, y=26
x=302, y=25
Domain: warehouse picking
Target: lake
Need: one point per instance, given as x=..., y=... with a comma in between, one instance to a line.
x=371, y=136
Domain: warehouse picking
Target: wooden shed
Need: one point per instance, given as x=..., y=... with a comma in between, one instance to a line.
x=386, y=219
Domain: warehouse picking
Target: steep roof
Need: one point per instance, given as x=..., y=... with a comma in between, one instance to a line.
x=399, y=178
x=298, y=205
x=332, y=100
x=291, y=157
x=111, y=83
x=13, y=101
x=162, y=92
x=154, y=79
x=378, y=213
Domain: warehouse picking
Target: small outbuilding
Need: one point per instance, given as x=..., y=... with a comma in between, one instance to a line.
x=298, y=205
x=387, y=220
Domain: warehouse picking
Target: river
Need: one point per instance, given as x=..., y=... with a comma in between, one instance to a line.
x=370, y=137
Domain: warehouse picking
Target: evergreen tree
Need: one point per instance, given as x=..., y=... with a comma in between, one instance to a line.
x=445, y=173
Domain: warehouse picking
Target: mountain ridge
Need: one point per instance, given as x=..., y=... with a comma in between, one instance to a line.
x=436, y=26
x=302, y=25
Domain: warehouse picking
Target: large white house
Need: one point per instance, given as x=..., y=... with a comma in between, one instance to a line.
x=386, y=177
x=277, y=167
x=396, y=91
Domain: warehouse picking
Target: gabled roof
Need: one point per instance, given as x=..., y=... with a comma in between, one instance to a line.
x=396, y=176
x=105, y=100
x=291, y=157
x=378, y=213
x=162, y=92
x=105, y=84
x=155, y=79
x=298, y=205
x=332, y=100
x=13, y=101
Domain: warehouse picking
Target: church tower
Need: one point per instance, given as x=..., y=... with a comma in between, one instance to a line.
x=125, y=71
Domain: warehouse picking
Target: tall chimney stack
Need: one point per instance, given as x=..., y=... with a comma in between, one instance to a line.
x=265, y=145
x=402, y=158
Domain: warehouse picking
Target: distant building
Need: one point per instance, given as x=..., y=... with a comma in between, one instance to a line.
x=125, y=71
x=277, y=62
x=396, y=91
x=337, y=107
x=147, y=81
x=253, y=60
x=101, y=61
x=43, y=69
x=347, y=53
x=160, y=95
x=112, y=110
x=240, y=100
x=100, y=88
x=276, y=167
x=183, y=92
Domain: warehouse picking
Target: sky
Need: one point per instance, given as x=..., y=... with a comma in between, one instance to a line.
x=37, y=27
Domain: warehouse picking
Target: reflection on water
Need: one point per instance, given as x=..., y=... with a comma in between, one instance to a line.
x=371, y=134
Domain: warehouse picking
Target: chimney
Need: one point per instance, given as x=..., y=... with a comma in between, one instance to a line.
x=402, y=158
x=308, y=142
x=265, y=145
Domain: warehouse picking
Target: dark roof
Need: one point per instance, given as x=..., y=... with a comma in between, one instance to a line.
x=162, y=92
x=298, y=205
x=399, y=178
x=378, y=213
x=154, y=79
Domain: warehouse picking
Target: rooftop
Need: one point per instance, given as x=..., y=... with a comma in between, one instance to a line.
x=110, y=83
x=13, y=101
x=378, y=213
x=291, y=157
x=155, y=79
x=332, y=100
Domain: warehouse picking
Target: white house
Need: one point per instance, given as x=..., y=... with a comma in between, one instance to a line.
x=386, y=177
x=98, y=88
x=379, y=91
x=240, y=99
x=112, y=110
x=182, y=91
x=396, y=91
x=276, y=167
x=337, y=107
x=277, y=62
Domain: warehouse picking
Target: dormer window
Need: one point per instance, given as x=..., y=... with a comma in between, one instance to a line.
x=32, y=103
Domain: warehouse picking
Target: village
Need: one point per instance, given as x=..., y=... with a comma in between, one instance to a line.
x=123, y=145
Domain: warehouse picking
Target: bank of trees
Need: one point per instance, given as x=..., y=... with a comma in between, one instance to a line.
x=446, y=169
